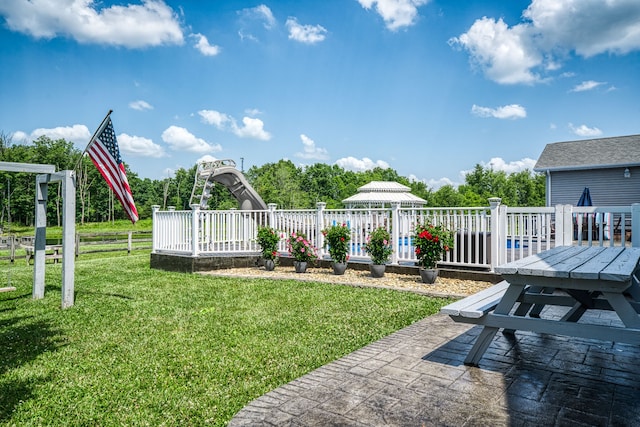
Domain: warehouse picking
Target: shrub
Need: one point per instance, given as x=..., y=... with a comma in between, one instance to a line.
x=300, y=248
x=379, y=246
x=431, y=242
x=337, y=238
x=268, y=240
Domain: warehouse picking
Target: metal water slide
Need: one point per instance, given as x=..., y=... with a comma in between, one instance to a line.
x=224, y=172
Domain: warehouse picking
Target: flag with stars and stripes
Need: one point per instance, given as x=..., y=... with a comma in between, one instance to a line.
x=105, y=154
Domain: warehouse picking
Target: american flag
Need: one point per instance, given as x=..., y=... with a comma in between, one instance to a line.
x=105, y=154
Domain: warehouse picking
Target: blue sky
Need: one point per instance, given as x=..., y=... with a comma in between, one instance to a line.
x=429, y=88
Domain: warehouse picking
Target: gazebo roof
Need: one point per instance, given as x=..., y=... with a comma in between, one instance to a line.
x=380, y=193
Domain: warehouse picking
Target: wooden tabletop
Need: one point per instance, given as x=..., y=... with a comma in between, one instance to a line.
x=615, y=264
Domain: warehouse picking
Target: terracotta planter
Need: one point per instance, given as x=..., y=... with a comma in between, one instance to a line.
x=300, y=266
x=339, y=268
x=377, y=270
x=269, y=264
x=428, y=275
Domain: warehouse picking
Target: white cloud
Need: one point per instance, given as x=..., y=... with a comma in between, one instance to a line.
x=359, y=165
x=512, y=111
x=588, y=27
x=78, y=134
x=215, y=118
x=588, y=85
x=584, y=130
x=395, y=13
x=309, y=34
x=311, y=151
x=180, y=138
x=551, y=30
x=202, y=44
x=499, y=164
x=253, y=111
x=261, y=13
x=140, y=105
x=139, y=146
x=151, y=23
x=251, y=127
x=251, y=18
x=504, y=54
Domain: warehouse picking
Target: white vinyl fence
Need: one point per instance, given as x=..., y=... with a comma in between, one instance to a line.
x=483, y=236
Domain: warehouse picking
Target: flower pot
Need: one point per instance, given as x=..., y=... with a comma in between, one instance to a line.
x=377, y=270
x=428, y=275
x=300, y=266
x=269, y=264
x=339, y=268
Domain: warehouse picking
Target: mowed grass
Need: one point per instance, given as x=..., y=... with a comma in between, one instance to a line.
x=148, y=347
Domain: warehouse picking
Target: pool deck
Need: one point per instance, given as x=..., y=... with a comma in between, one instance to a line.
x=415, y=377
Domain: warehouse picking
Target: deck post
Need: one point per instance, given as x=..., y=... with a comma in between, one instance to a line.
x=154, y=228
x=635, y=225
x=195, y=232
x=320, y=206
x=395, y=231
x=272, y=214
x=496, y=232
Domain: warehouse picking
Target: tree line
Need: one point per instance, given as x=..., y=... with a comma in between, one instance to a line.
x=283, y=183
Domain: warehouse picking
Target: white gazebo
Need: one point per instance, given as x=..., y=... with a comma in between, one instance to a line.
x=379, y=194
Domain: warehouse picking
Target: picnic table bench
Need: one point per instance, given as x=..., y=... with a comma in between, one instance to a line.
x=576, y=278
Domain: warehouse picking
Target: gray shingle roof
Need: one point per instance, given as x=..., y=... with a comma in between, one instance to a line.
x=591, y=153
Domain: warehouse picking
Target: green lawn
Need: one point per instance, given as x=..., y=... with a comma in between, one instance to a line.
x=149, y=347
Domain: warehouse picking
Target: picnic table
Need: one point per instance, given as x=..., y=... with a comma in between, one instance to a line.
x=576, y=278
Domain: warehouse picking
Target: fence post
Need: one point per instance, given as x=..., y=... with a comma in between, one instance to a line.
x=496, y=232
x=567, y=225
x=395, y=231
x=154, y=228
x=319, y=227
x=635, y=225
x=195, y=214
x=272, y=214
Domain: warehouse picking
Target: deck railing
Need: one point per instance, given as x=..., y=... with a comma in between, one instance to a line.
x=483, y=236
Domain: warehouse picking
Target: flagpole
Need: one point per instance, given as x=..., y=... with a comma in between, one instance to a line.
x=100, y=129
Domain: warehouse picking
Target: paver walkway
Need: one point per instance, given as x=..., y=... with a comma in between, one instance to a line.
x=415, y=377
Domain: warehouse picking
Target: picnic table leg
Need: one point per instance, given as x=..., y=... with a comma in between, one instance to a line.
x=575, y=313
x=481, y=345
x=623, y=309
x=523, y=309
x=537, y=309
x=483, y=341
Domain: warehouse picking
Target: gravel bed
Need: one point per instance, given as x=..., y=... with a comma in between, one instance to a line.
x=443, y=287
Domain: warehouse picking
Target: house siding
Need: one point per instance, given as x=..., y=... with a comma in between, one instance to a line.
x=608, y=187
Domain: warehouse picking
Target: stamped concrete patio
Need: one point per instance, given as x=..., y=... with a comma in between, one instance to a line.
x=415, y=377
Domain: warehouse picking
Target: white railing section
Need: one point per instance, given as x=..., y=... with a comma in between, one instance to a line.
x=483, y=237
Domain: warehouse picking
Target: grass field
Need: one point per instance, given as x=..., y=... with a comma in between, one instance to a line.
x=150, y=347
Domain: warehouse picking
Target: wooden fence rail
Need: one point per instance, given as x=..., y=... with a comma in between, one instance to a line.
x=14, y=247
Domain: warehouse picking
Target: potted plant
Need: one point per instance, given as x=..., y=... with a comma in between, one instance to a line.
x=337, y=239
x=431, y=242
x=268, y=240
x=378, y=246
x=302, y=251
